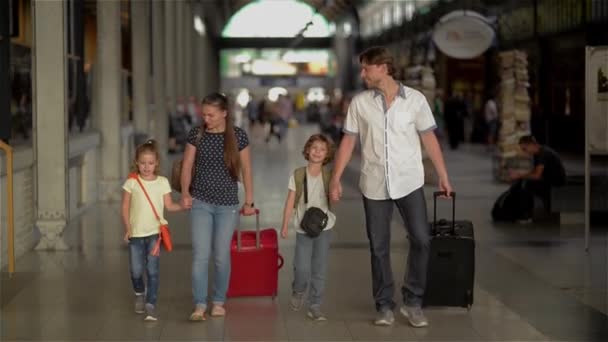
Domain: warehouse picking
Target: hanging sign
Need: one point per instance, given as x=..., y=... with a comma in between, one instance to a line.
x=463, y=34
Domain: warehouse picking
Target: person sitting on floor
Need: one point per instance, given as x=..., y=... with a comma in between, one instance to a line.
x=548, y=171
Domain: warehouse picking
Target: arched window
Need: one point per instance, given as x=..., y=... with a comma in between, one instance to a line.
x=272, y=18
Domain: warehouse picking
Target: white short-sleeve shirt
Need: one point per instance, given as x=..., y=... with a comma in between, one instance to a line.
x=316, y=198
x=391, y=165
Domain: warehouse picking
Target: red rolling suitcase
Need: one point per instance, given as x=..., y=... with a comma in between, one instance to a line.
x=255, y=262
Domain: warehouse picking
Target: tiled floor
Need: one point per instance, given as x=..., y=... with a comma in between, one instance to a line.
x=533, y=282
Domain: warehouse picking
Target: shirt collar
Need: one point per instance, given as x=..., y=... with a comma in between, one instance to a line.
x=401, y=92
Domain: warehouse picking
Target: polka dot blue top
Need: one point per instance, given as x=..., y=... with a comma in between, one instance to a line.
x=212, y=182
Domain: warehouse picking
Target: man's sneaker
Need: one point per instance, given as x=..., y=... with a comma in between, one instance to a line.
x=150, y=313
x=385, y=318
x=139, y=303
x=296, y=301
x=314, y=313
x=414, y=315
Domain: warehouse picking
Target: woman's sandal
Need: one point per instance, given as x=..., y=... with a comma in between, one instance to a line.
x=197, y=316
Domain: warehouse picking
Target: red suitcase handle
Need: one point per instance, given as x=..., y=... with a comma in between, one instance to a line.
x=281, y=261
x=257, y=231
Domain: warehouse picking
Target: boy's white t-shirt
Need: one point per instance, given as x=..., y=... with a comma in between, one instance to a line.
x=316, y=198
x=141, y=217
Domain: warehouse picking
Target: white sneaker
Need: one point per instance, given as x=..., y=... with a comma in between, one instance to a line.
x=385, y=318
x=150, y=314
x=414, y=315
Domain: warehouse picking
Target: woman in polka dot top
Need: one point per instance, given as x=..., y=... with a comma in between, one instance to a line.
x=216, y=154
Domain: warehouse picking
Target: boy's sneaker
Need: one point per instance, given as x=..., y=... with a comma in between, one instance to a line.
x=314, y=312
x=139, y=303
x=296, y=301
x=414, y=315
x=150, y=313
x=385, y=318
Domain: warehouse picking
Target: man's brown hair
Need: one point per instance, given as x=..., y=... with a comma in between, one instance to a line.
x=378, y=55
x=527, y=140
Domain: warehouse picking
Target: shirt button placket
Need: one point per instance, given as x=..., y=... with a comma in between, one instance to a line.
x=386, y=156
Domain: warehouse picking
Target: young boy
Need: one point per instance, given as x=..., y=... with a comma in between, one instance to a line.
x=310, y=261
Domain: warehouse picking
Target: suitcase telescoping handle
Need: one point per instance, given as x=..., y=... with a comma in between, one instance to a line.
x=257, y=231
x=453, y=196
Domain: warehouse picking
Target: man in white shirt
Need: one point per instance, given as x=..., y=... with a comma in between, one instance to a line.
x=390, y=120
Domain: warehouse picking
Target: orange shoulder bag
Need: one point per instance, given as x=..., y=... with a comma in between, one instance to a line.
x=165, y=235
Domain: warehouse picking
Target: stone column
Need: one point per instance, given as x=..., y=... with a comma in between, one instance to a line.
x=107, y=94
x=140, y=53
x=161, y=127
x=189, y=70
x=180, y=39
x=50, y=112
x=170, y=54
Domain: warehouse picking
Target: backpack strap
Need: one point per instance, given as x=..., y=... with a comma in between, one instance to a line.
x=298, y=176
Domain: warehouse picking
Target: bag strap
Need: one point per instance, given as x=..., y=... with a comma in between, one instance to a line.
x=148, y=197
x=305, y=189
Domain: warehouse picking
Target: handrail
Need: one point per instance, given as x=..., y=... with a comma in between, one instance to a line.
x=8, y=150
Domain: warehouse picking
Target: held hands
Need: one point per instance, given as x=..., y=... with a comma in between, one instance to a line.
x=335, y=190
x=127, y=236
x=284, y=232
x=186, y=201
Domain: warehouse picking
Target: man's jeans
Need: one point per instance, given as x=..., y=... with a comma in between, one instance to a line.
x=140, y=259
x=378, y=216
x=212, y=228
x=310, y=265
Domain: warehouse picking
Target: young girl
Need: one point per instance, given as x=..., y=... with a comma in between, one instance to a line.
x=142, y=227
x=310, y=262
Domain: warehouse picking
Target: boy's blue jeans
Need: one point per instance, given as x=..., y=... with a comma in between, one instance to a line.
x=212, y=228
x=310, y=265
x=140, y=260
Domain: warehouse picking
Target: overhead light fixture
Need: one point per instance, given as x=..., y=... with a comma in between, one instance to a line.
x=199, y=25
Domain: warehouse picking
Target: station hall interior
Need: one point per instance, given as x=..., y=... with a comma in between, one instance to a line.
x=84, y=82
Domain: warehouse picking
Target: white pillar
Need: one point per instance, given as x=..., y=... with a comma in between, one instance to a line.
x=50, y=111
x=170, y=54
x=189, y=49
x=161, y=119
x=180, y=48
x=108, y=97
x=140, y=63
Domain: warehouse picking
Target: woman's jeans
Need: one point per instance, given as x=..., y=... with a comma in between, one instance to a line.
x=212, y=228
x=140, y=260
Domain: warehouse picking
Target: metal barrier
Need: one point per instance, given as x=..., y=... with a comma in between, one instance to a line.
x=8, y=150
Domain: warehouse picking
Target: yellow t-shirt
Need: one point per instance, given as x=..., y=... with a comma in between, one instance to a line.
x=141, y=217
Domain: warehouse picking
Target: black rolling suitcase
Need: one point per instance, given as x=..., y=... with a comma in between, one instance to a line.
x=451, y=270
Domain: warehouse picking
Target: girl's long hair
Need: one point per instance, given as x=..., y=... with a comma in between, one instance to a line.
x=232, y=158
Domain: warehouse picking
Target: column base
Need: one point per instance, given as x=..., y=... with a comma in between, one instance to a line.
x=51, y=235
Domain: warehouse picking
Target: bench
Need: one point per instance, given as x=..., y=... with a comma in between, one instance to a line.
x=569, y=200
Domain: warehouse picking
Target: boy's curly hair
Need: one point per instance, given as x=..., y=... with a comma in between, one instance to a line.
x=322, y=138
